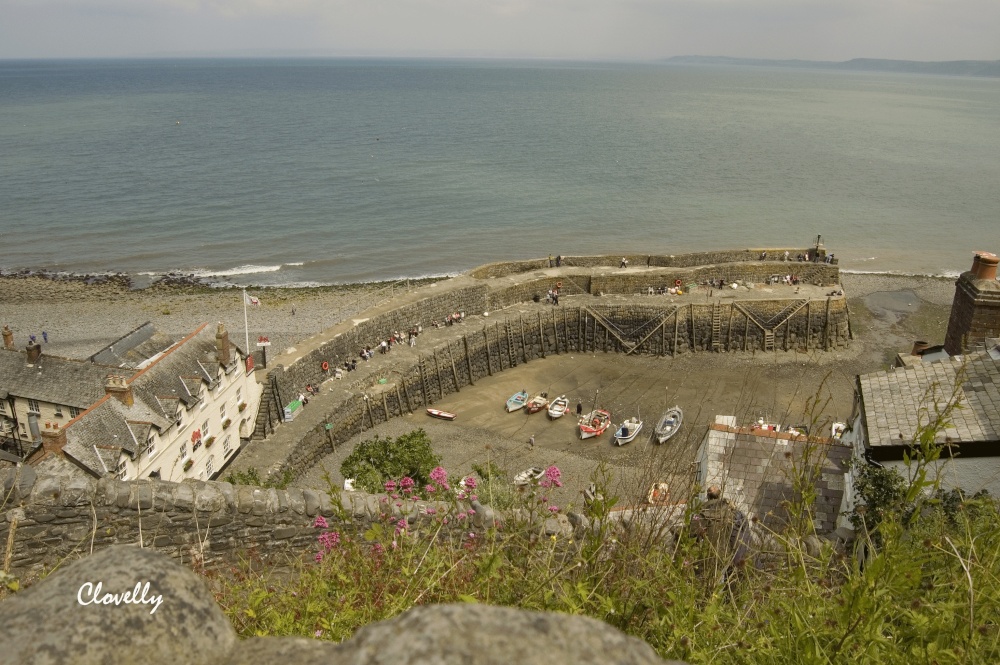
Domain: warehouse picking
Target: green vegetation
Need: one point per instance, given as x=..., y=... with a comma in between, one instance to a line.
x=377, y=460
x=921, y=586
x=252, y=477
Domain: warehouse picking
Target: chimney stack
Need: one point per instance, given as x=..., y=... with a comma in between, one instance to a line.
x=34, y=350
x=53, y=441
x=118, y=387
x=8, y=338
x=975, y=311
x=919, y=347
x=222, y=349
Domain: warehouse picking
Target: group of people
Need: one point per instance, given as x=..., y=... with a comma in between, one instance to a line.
x=385, y=346
x=557, y=262
x=663, y=290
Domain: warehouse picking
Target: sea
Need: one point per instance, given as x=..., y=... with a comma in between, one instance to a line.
x=301, y=172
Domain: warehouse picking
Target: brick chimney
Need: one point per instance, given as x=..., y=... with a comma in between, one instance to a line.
x=34, y=350
x=8, y=338
x=975, y=310
x=222, y=349
x=118, y=387
x=53, y=441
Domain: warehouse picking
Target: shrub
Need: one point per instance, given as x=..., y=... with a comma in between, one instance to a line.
x=252, y=477
x=209, y=441
x=226, y=423
x=188, y=464
x=380, y=459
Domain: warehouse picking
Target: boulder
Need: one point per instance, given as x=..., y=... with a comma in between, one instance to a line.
x=48, y=624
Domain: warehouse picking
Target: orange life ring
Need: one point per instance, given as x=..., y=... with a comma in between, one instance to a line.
x=558, y=285
x=677, y=282
x=325, y=365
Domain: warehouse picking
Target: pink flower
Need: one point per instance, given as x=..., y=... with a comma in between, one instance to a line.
x=401, y=524
x=553, y=474
x=470, y=482
x=319, y=557
x=320, y=523
x=377, y=549
x=429, y=488
x=473, y=497
x=471, y=512
x=383, y=499
x=329, y=540
x=395, y=496
x=472, y=534
x=399, y=505
x=318, y=633
x=461, y=496
x=390, y=485
x=553, y=509
x=407, y=483
x=460, y=516
x=439, y=475
x=431, y=511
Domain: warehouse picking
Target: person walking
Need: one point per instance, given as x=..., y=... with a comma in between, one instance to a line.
x=550, y=260
x=579, y=408
x=559, y=261
x=45, y=336
x=531, y=442
x=624, y=263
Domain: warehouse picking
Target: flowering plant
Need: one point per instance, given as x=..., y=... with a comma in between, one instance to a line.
x=226, y=423
x=188, y=464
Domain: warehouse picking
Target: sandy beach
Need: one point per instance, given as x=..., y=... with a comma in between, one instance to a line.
x=888, y=313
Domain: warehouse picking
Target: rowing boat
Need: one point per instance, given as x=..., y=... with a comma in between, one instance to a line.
x=558, y=407
x=628, y=430
x=537, y=403
x=517, y=401
x=443, y=415
x=668, y=424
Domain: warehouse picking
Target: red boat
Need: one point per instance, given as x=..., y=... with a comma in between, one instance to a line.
x=594, y=423
x=443, y=415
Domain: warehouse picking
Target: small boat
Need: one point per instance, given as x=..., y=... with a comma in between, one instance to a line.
x=517, y=401
x=537, y=403
x=658, y=493
x=590, y=495
x=628, y=431
x=837, y=430
x=443, y=415
x=594, y=423
x=558, y=407
x=669, y=423
x=528, y=475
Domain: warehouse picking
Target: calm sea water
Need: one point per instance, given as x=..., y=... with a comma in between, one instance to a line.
x=319, y=171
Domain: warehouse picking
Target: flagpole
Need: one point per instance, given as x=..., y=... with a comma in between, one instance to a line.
x=246, y=326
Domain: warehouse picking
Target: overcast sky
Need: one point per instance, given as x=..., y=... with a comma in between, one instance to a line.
x=589, y=29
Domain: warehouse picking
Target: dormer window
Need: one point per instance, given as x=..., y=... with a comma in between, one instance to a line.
x=59, y=411
x=33, y=406
x=151, y=445
x=122, y=471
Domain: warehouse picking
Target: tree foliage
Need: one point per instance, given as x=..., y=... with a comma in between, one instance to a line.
x=377, y=460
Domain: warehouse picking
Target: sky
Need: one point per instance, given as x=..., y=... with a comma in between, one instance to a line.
x=566, y=29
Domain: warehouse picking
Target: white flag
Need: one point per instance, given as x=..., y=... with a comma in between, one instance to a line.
x=250, y=300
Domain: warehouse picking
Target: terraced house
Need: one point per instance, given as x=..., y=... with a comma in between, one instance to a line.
x=182, y=413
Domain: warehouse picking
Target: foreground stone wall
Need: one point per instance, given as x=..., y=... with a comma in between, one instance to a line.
x=52, y=517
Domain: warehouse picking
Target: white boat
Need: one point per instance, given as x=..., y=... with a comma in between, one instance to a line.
x=443, y=415
x=627, y=431
x=527, y=476
x=837, y=430
x=668, y=424
x=594, y=423
x=558, y=407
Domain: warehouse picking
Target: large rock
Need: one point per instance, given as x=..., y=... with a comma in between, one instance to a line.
x=48, y=624
x=471, y=633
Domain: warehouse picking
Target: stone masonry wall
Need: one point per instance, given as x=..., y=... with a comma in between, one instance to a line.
x=975, y=314
x=193, y=521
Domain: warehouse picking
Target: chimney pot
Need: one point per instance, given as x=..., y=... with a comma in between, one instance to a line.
x=919, y=347
x=34, y=350
x=117, y=387
x=222, y=348
x=985, y=266
x=8, y=338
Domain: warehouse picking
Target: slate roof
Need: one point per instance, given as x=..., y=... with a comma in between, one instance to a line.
x=133, y=348
x=755, y=470
x=896, y=403
x=51, y=379
x=99, y=436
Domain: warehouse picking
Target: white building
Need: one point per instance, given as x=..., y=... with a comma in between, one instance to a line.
x=181, y=414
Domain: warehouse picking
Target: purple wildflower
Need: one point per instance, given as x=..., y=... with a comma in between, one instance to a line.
x=320, y=523
x=431, y=511
x=429, y=488
x=401, y=524
x=473, y=497
x=390, y=485
x=439, y=475
x=377, y=549
x=319, y=557
x=318, y=633
x=553, y=509
x=329, y=540
x=470, y=482
x=406, y=483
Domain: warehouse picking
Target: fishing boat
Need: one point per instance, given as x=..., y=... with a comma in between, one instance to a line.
x=837, y=430
x=594, y=423
x=627, y=431
x=537, y=403
x=517, y=401
x=443, y=415
x=529, y=475
x=669, y=423
x=558, y=407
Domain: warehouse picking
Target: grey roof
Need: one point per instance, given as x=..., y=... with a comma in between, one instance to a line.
x=756, y=469
x=133, y=348
x=175, y=378
x=51, y=379
x=896, y=403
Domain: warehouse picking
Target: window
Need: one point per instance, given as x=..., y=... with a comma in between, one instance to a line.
x=3, y=407
x=184, y=450
x=33, y=406
x=151, y=445
x=123, y=470
x=59, y=413
x=239, y=392
x=226, y=446
x=208, y=465
x=73, y=412
x=180, y=418
x=222, y=412
x=204, y=430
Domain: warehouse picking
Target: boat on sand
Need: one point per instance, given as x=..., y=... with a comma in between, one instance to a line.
x=668, y=424
x=558, y=407
x=517, y=401
x=627, y=431
x=537, y=403
x=527, y=476
x=443, y=415
x=594, y=423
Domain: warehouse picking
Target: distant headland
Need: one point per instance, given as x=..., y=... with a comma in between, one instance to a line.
x=984, y=68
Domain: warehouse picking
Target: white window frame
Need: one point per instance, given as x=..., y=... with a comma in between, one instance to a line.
x=184, y=450
x=122, y=470
x=205, y=429
x=208, y=465
x=33, y=406
x=74, y=412
x=226, y=446
x=151, y=445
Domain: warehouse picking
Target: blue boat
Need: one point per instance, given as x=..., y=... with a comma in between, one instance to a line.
x=517, y=401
